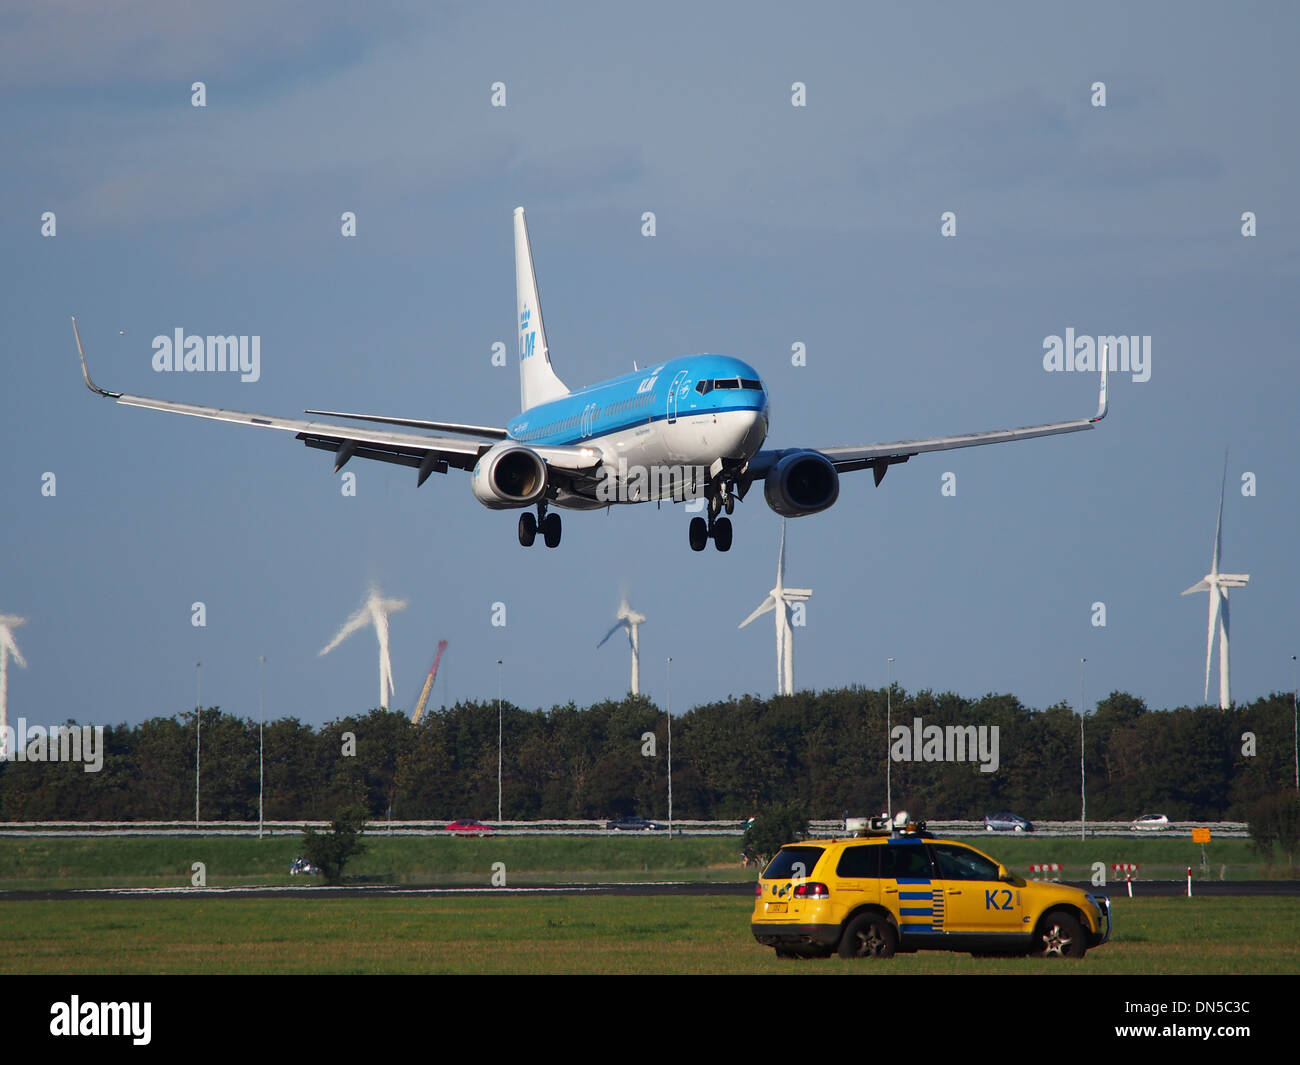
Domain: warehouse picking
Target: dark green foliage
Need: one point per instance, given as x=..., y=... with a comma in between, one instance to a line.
x=330, y=850
x=1275, y=823
x=774, y=826
x=824, y=750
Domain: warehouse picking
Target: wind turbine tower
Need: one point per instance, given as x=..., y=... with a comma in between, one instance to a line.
x=781, y=599
x=8, y=622
x=374, y=611
x=629, y=619
x=1217, y=584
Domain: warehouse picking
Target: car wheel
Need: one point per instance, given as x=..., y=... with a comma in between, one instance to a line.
x=1059, y=936
x=1020, y=828
x=988, y=828
x=869, y=936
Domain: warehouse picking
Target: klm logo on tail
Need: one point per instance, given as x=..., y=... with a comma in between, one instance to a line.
x=527, y=337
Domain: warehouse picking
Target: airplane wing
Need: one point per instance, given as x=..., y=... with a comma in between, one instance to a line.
x=429, y=454
x=879, y=457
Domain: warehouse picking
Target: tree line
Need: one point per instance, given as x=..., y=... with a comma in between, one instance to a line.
x=825, y=751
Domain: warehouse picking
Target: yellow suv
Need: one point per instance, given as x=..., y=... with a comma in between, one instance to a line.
x=902, y=890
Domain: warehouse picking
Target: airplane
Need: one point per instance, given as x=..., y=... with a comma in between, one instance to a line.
x=689, y=428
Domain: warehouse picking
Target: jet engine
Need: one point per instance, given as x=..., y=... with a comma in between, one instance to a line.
x=509, y=476
x=802, y=482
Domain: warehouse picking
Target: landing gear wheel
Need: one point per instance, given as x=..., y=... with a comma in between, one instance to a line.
x=722, y=534
x=869, y=936
x=551, y=530
x=1059, y=936
x=699, y=534
x=527, y=529
x=730, y=505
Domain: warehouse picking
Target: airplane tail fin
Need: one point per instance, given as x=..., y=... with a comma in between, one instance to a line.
x=537, y=381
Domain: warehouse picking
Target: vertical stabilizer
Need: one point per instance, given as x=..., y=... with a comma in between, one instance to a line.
x=537, y=381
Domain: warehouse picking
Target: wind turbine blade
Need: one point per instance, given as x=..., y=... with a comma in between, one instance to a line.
x=1209, y=637
x=763, y=608
x=1225, y=687
x=617, y=625
x=1199, y=586
x=1218, y=525
x=350, y=626
x=7, y=642
x=780, y=559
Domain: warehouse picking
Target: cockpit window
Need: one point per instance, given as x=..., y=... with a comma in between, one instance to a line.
x=705, y=387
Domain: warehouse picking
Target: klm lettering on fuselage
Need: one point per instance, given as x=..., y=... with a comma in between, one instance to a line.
x=527, y=337
x=647, y=385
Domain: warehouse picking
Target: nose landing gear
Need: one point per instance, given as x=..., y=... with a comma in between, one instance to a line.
x=717, y=529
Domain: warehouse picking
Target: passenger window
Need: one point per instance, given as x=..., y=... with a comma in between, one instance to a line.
x=905, y=862
x=860, y=862
x=957, y=863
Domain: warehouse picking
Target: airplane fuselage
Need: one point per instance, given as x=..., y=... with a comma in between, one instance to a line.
x=686, y=413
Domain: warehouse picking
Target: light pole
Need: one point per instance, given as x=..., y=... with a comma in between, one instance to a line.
x=261, y=740
x=670, y=748
x=499, y=739
x=1083, y=793
x=889, y=731
x=198, y=737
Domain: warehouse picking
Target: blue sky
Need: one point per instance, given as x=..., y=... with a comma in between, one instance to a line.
x=775, y=225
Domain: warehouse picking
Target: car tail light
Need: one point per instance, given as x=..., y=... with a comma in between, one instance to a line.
x=812, y=891
x=758, y=888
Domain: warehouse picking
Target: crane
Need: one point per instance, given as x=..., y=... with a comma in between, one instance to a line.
x=428, y=684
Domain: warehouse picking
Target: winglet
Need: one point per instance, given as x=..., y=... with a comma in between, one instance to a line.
x=86, y=372
x=1105, y=365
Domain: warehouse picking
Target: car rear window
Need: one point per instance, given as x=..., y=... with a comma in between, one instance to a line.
x=782, y=867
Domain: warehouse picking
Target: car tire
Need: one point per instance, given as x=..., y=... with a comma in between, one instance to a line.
x=1020, y=828
x=869, y=935
x=988, y=828
x=1059, y=936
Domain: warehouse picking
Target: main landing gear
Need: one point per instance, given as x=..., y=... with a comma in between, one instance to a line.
x=717, y=529
x=547, y=524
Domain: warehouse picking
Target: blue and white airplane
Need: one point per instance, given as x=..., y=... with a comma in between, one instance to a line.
x=689, y=428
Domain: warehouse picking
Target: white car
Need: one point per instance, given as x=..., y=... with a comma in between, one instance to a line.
x=1151, y=822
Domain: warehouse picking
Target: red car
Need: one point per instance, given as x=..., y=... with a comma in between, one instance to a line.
x=468, y=827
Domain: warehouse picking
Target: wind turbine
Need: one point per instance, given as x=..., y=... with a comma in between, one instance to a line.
x=629, y=619
x=374, y=610
x=784, y=635
x=1217, y=584
x=8, y=622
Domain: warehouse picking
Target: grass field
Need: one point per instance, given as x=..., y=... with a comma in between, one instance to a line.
x=45, y=863
x=600, y=935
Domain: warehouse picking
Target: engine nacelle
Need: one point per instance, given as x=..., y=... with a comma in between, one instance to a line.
x=509, y=476
x=803, y=482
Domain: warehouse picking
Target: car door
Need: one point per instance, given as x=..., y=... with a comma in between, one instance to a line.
x=909, y=888
x=977, y=903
